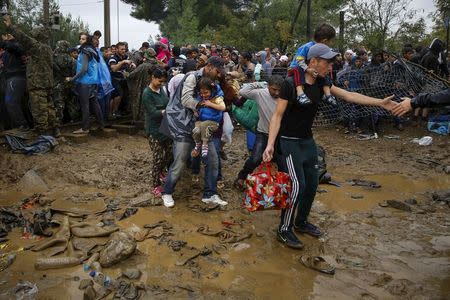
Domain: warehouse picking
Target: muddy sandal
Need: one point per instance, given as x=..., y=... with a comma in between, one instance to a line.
x=317, y=263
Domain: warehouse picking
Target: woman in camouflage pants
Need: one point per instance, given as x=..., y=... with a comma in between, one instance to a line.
x=154, y=100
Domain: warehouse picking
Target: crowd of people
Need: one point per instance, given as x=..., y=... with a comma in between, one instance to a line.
x=189, y=97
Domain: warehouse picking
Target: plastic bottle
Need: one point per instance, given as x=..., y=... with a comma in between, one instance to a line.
x=101, y=279
x=88, y=264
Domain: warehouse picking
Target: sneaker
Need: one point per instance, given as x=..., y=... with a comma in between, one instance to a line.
x=80, y=131
x=308, y=228
x=214, y=199
x=288, y=238
x=330, y=99
x=303, y=100
x=168, y=200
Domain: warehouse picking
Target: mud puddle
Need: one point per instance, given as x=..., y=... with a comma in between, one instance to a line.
x=379, y=253
x=350, y=198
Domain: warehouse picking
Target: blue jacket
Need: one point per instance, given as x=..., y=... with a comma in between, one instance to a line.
x=91, y=76
x=301, y=54
x=211, y=114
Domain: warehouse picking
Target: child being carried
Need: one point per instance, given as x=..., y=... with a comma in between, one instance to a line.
x=210, y=115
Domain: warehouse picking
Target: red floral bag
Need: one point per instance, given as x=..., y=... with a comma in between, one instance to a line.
x=267, y=189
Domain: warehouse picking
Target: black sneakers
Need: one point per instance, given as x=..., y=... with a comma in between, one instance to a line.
x=308, y=228
x=288, y=238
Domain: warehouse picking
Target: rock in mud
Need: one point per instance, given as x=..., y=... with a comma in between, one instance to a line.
x=145, y=200
x=85, y=283
x=32, y=182
x=132, y=273
x=89, y=293
x=443, y=196
x=447, y=170
x=121, y=246
x=398, y=205
x=357, y=196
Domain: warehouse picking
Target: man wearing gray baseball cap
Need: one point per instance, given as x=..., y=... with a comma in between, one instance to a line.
x=292, y=122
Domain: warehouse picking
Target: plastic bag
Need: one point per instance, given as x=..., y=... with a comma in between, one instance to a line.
x=178, y=121
x=227, y=129
x=267, y=189
x=105, y=86
x=247, y=114
x=424, y=141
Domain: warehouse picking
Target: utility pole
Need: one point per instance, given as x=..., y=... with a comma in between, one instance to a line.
x=107, y=22
x=46, y=7
x=341, y=30
x=308, y=20
x=118, y=30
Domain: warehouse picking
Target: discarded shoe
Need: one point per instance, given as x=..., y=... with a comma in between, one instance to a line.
x=317, y=263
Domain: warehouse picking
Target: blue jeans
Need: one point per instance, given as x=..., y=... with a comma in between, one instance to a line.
x=196, y=162
x=181, y=153
x=255, y=159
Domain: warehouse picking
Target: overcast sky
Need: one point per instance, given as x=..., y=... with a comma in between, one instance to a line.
x=135, y=31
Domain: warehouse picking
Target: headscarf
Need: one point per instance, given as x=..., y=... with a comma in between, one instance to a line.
x=163, y=54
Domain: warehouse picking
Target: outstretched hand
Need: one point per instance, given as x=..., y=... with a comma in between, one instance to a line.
x=403, y=107
x=388, y=104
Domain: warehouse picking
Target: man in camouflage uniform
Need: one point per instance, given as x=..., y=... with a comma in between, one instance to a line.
x=63, y=67
x=39, y=76
x=138, y=80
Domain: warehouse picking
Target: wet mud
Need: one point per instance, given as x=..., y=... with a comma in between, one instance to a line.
x=378, y=252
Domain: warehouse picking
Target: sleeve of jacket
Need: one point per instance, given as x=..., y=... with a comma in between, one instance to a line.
x=15, y=48
x=187, y=94
x=249, y=91
x=441, y=98
x=25, y=41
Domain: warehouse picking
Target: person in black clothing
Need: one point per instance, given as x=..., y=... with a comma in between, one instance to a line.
x=292, y=123
x=419, y=52
x=14, y=70
x=119, y=65
x=176, y=63
x=425, y=100
x=435, y=59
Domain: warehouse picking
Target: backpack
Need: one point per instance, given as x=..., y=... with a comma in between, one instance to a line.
x=178, y=121
x=247, y=114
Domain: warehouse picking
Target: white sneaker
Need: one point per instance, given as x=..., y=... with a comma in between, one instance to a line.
x=214, y=199
x=168, y=200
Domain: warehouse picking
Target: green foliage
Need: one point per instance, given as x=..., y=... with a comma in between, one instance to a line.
x=253, y=25
x=28, y=14
x=373, y=22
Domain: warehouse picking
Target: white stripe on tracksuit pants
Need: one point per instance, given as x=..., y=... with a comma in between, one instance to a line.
x=300, y=159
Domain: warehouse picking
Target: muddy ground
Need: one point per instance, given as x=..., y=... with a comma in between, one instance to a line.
x=378, y=252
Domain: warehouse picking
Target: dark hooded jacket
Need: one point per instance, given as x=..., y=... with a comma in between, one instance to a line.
x=434, y=60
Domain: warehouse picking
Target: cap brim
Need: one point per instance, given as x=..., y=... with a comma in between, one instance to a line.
x=329, y=55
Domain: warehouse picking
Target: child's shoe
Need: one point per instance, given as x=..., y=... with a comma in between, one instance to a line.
x=302, y=99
